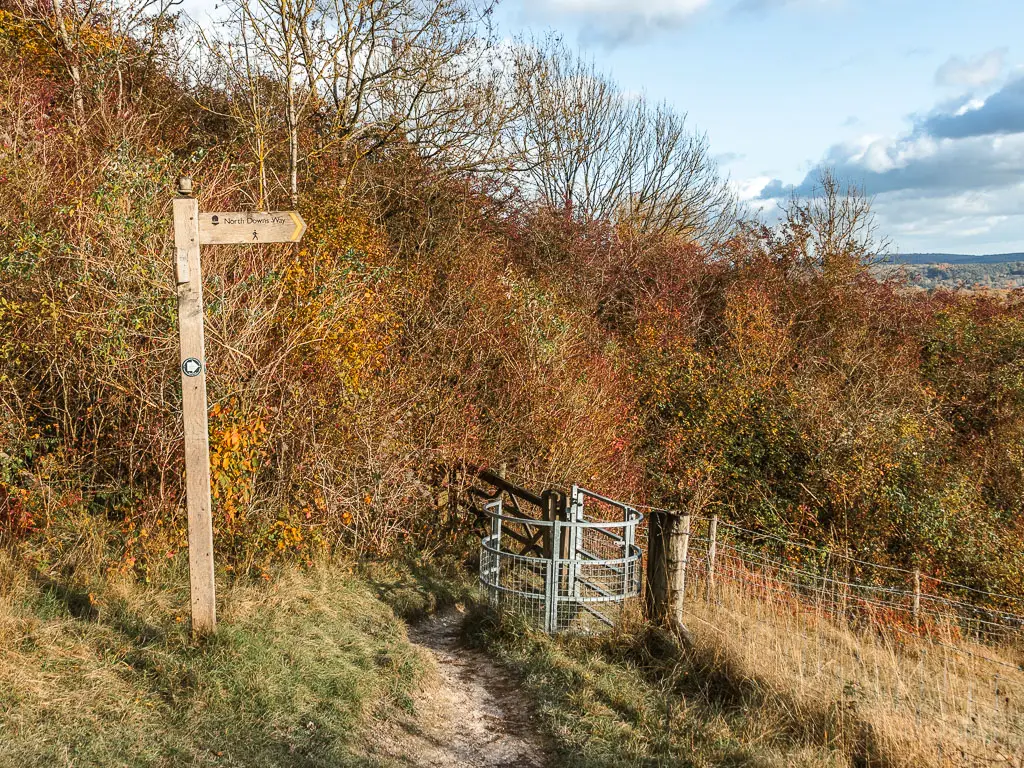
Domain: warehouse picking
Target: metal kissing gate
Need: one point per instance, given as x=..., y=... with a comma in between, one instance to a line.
x=571, y=571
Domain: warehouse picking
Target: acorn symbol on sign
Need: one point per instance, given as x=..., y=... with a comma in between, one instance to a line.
x=191, y=367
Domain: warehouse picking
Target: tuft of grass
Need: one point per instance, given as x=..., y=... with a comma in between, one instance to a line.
x=106, y=673
x=416, y=587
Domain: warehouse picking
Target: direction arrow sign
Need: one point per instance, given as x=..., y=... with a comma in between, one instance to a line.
x=222, y=228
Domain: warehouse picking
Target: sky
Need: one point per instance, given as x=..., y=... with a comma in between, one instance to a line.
x=918, y=102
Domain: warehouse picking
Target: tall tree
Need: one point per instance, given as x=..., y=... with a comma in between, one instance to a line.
x=606, y=154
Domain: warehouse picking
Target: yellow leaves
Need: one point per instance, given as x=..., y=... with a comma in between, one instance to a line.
x=334, y=314
x=758, y=339
x=286, y=536
x=236, y=449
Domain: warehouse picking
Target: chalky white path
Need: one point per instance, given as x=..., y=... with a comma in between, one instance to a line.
x=469, y=715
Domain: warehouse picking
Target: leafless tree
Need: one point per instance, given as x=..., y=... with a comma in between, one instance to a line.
x=359, y=76
x=605, y=154
x=835, y=225
x=423, y=72
x=277, y=29
x=231, y=67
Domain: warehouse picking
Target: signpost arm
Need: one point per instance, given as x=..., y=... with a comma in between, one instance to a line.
x=193, y=399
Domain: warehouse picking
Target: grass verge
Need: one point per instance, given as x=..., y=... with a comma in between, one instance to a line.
x=106, y=674
x=632, y=698
x=765, y=682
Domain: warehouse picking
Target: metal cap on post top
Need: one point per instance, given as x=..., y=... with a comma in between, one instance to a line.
x=185, y=186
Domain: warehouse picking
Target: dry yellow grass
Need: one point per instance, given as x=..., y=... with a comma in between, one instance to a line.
x=922, y=700
x=770, y=678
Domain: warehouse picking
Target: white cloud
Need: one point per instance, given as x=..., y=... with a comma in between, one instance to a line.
x=969, y=106
x=650, y=8
x=749, y=189
x=972, y=73
x=615, y=22
x=953, y=182
x=972, y=222
x=1001, y=112
x=920, y=163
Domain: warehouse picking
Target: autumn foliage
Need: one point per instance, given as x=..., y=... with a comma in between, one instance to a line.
x=432, y=318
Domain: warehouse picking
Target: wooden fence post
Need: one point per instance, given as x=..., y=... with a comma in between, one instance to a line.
x=659, y=526
x=847, y=576
x=556, y=552
x=667, y=544
x=189, y=279
x=684, y=563
x=712, y=550
x=917, y=598
x=555, y=508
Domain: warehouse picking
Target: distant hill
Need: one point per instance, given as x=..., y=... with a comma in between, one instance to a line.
x=955, y=258
x=957, y=276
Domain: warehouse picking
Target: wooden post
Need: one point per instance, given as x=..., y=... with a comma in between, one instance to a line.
x=555, y=552
x=845, y=594
x=189, y=280
x=917, y=598
x=667, y=543
x=684, y=563
x=659, y=526
x=555, y=508
x=712, y=550
x=190, y=230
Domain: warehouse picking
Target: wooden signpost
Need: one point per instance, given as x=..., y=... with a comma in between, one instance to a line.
x=192, y=229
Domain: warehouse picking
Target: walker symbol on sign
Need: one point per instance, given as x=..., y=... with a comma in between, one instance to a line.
x=191, y=367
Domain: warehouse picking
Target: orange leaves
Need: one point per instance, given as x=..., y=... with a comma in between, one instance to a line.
x=236, y=450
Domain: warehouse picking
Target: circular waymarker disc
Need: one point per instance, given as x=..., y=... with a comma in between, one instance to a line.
x=191, y=367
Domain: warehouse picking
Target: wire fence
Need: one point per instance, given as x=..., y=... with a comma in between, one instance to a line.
x=830, y=573
x=934, y=668
x=935, y=661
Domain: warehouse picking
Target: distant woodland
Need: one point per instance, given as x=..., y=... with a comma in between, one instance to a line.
x=991, y=276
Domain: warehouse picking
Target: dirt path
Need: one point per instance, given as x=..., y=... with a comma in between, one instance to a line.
x=468, y=716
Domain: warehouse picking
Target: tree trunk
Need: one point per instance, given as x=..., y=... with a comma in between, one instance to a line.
x=71, y=60
x=293, y=143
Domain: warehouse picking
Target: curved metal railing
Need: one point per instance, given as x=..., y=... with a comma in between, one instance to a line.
x=582, y=576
